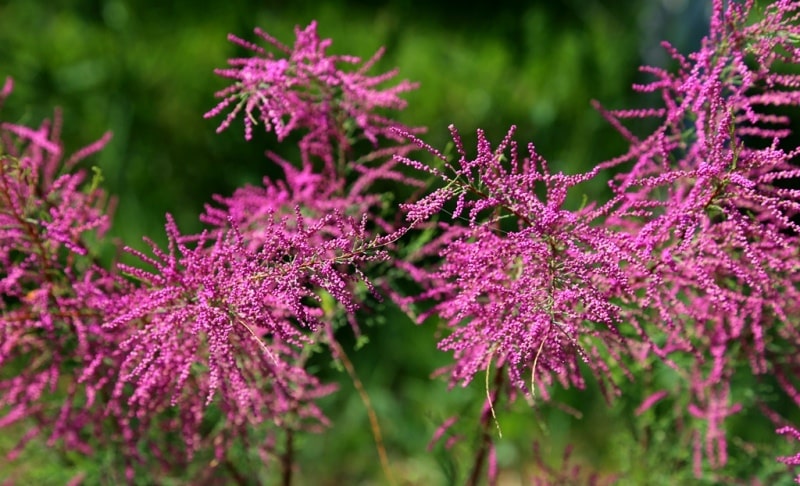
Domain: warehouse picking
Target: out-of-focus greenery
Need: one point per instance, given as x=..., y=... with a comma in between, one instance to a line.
x=143, y=69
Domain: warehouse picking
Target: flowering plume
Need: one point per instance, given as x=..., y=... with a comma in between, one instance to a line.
x=303, y=88
x=526, y=284
x=695, y=254
x=52, y=294
x=306, y=90
x=226, y=320
x=234, y=313
x=706, y=205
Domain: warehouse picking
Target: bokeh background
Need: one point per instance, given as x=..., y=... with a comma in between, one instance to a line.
x=143, y=69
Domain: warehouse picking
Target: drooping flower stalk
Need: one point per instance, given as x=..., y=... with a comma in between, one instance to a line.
x=695, y=256
x=53, y=295
x=706, y=201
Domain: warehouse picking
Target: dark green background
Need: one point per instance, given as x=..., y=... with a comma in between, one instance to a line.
x=143, y=69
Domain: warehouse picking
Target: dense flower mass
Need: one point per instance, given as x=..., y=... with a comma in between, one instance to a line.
x=52, y=293
x=696, y=253
x=307, y=90
x=707, y=205
x=220, y=322
x=692, y=262
x=526, y=283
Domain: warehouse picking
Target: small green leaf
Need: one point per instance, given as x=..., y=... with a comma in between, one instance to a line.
x=361, y=341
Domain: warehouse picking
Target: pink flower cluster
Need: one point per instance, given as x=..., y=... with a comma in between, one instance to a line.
x=204, y=346
x=227, y=319
x=53, y=295
x=705, y=203
x=306, y=90
x=692, y=261
x=525, y=282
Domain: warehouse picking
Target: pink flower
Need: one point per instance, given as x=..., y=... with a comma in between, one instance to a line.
x=527, y=285
x=52, y=293
x=306, y=89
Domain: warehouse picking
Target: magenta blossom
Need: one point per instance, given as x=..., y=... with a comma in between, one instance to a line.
x=52, y=293
x=705, y=204
x=228, y=322
x=526, y=284
x=304, y=88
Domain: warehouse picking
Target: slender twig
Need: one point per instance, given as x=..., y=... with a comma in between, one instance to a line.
x=234, y=472
x=287, y=459
x=489, y=399
x=486, y=436
x=373, y=417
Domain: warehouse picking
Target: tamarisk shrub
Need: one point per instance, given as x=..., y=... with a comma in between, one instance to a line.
x=693, y=261
x=521, y=282
x=705, y=203
x=229, y=318
x=306, y=90
x=53, y=295
x=204, y=348
x=205, y=345
x=220, y=323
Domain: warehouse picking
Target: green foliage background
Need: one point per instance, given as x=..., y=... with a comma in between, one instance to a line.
x=143, y=69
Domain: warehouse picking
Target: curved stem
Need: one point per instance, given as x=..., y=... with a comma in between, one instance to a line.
x=373, y=417
x=486, y=435
x=287, y=459
x=234, y=472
